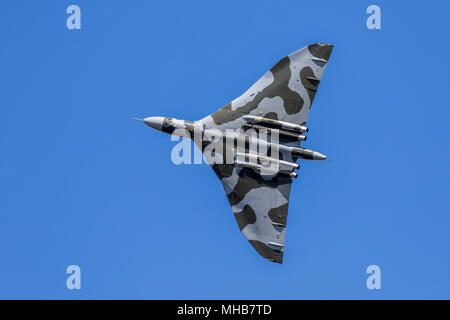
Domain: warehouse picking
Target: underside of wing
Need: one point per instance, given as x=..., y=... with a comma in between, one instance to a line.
x=284, y=93
x=260, y=206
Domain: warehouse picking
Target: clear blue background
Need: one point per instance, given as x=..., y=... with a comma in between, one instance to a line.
x=81, y=183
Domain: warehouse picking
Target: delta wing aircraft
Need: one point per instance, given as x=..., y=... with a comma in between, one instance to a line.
x=271, y=114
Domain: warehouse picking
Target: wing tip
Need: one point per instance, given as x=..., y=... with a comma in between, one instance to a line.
x=321, y=50
x=267, y=252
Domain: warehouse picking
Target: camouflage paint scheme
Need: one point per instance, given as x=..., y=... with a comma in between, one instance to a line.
x=284, y=93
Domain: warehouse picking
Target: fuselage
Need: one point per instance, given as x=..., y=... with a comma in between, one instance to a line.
x=251, y=143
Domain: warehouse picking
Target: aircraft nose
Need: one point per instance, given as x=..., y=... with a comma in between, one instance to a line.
x=154, y=122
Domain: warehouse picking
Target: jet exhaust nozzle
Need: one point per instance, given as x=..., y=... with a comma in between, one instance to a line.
x=308, y=154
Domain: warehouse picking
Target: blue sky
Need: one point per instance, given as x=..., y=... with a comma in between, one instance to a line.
x=81, y=183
